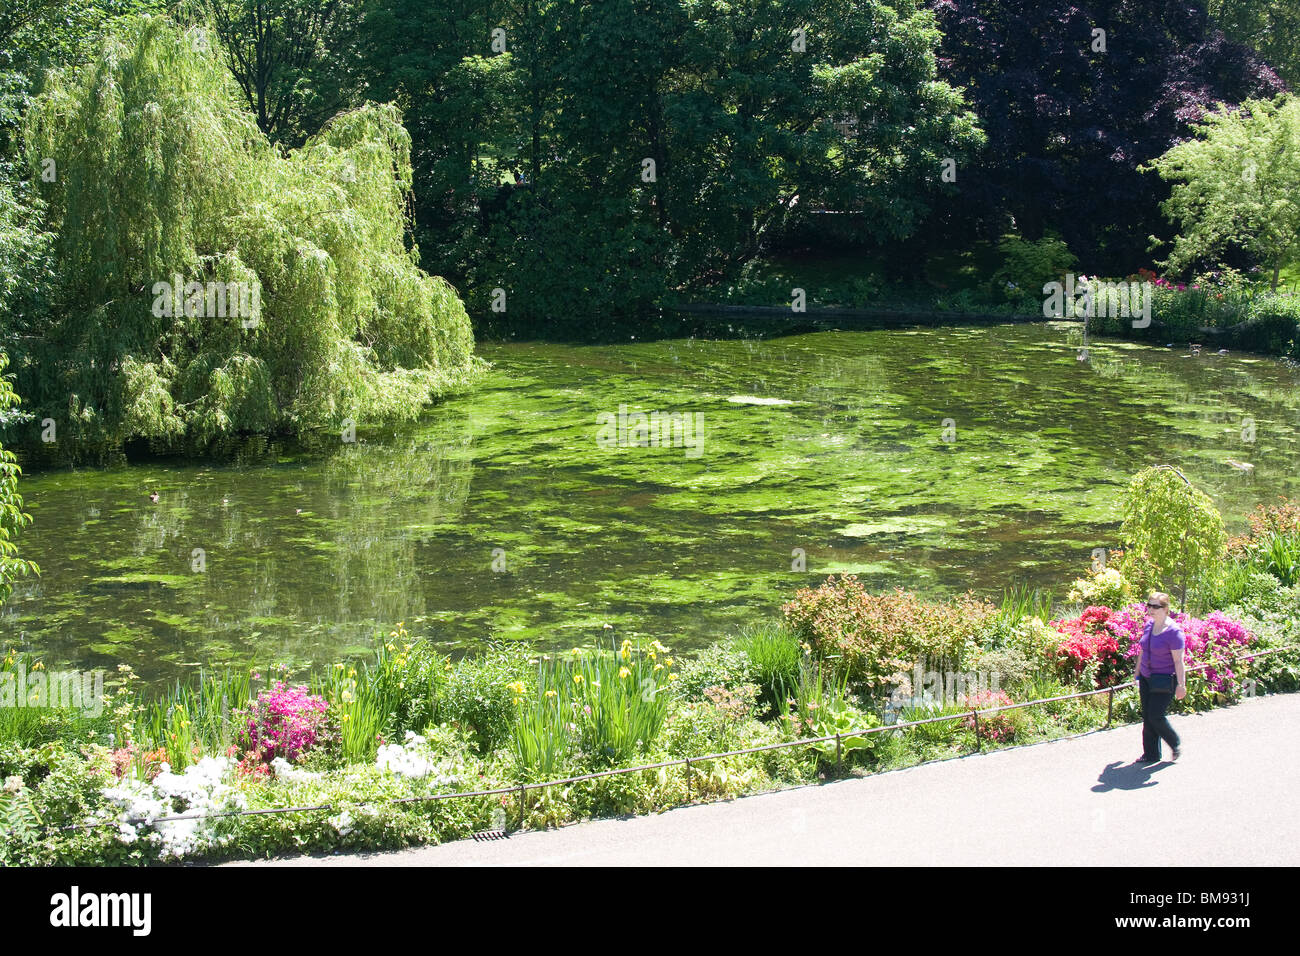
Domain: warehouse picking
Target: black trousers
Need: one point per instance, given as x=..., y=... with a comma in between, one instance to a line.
x=1155, y=725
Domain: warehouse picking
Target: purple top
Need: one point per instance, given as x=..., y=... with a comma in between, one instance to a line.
x=1158, y=651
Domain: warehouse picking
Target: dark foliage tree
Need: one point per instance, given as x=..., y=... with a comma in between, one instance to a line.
x=1069, y=121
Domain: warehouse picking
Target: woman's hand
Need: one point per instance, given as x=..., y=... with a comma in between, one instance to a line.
x=1181, y=692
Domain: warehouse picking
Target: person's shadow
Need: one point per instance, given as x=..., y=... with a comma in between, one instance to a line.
x=1127, y=776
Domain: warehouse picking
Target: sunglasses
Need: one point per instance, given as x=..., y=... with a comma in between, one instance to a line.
x=1154, y=607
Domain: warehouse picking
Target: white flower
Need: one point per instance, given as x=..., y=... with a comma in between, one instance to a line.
x=342, y=823
x=290, y=774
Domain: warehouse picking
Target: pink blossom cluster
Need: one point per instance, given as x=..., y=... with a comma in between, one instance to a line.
x=1212, y=640
x=283, y=722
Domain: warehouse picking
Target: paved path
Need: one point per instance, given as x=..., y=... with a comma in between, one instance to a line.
x=1067, y=802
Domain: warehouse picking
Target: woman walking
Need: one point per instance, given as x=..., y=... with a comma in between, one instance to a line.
x=1162, y=676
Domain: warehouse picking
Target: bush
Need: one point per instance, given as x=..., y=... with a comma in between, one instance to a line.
x=1010, y=665
x=720, y=665
x=1027, y=266
x=478, y=697
x=879, y=637
x=1095, y=644
x=1105, y=586
x=1173, y=535
x=282, y=722
x=998, y=727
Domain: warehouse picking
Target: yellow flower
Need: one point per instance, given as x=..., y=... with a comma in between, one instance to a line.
x=550, y=693
x=672, y=677
x=658, y=667
x=623, y=672
x=338, y=667
x=38, y=666
x=346, y=718
x=668, y=661
x=625, y=653
x=517, y=687
x=347, y=697
x=577, y=678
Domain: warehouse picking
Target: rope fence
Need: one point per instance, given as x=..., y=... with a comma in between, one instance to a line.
x=522, y=788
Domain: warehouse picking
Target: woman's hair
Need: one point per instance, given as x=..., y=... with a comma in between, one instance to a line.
x=1161, y=598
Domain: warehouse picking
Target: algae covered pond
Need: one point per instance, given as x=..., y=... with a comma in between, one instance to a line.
x=937, y=459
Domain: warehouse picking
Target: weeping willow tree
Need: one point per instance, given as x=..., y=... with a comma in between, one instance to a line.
x=165, y=194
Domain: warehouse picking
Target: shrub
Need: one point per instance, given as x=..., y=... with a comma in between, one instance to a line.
x=1010, y=665
x=1095, y=644
x=878, y=637
x=1027, y=266
x=478, y=696
x=998, y=727
x=1105, y=586
x=282, y=722
x=1172, y=534
x=720, y=665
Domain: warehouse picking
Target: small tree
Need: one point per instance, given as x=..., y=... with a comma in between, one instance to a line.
x=1238, y=185
x=11, y=504
x=1172, y=533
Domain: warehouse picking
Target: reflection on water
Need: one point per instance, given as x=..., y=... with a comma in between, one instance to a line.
x=304, y=557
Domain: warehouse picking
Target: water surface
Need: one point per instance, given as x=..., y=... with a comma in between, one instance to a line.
x=845, y=458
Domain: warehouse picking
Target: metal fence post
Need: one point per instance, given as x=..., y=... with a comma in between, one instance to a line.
x=838, y=753
x=976, y=715
x=1110, y=704
x=688, y=779
x=521, y=806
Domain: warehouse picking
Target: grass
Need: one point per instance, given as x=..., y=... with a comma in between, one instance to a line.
x=1021, y=601
x=775, y=657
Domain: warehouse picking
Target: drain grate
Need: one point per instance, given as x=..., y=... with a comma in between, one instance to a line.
x=485, y=835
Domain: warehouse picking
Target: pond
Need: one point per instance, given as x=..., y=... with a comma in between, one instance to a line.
x=935, y=459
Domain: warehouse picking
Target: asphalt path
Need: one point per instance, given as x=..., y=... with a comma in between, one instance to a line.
x=1231, y=799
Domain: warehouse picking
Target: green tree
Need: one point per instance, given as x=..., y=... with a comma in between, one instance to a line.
x=1174, y=540
x=163, y=176
x=739, y=126
x=1237, y=185
x=291, y=58
x=1271, y=27
x=12, y=517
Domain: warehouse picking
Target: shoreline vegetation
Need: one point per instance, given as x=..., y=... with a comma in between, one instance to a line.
x=408, y=723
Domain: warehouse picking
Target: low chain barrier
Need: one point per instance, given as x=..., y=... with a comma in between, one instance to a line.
x=522, y=788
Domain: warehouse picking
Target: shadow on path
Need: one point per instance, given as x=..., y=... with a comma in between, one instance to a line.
x=1133, y=776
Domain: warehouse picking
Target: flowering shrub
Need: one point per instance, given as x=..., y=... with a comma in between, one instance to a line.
x=415, y=760
x=196, y=792
x=880, y=636
x=997, y=727
x=1106, y=587
x=1211, y=641
x=282, y=722
x=1095, y=643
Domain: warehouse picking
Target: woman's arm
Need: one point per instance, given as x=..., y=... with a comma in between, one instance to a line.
x=1181, y=670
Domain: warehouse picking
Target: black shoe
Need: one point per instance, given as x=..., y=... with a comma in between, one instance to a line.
x=1145, y=759
x=1177, y=753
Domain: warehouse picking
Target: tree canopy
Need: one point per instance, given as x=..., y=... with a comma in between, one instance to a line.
x=665, y=143
x=1071, y=113
x=161, y=173
x=12, y=517
x=1237, y=186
